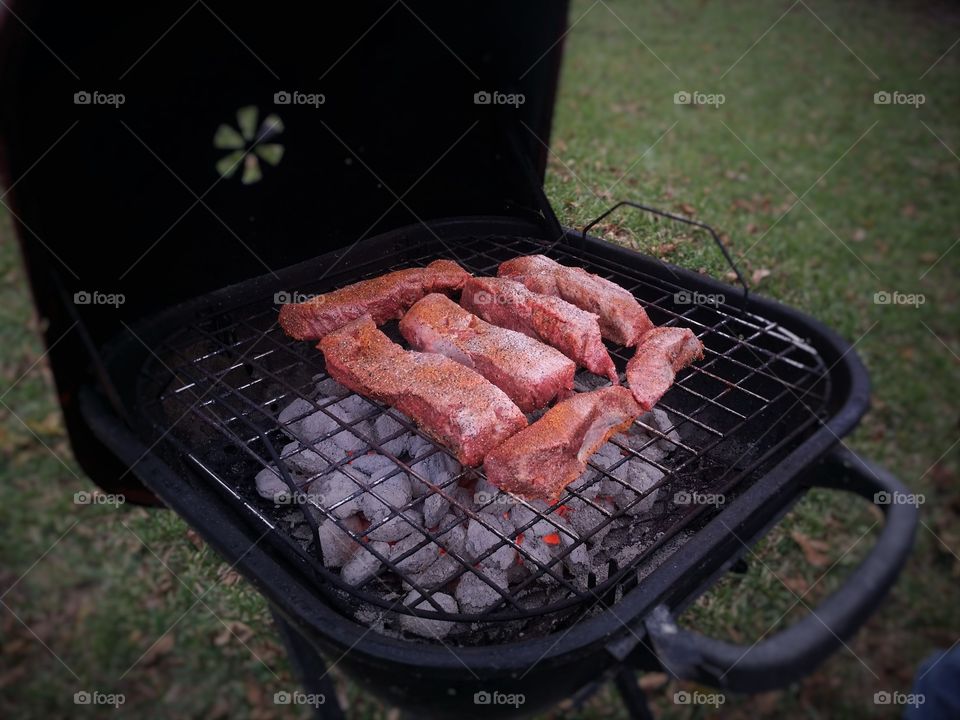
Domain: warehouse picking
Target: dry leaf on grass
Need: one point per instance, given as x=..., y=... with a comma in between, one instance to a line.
x=814, y=551
x=161, y=647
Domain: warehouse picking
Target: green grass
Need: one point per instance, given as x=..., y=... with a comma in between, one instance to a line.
x=800, y=104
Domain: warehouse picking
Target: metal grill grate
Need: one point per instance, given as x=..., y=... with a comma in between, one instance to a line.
x=213, y=391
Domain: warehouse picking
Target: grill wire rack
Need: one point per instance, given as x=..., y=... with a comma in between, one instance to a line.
x=213, y=389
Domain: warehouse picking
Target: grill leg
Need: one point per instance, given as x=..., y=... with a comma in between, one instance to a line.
x=311, y=670
x=633, y=697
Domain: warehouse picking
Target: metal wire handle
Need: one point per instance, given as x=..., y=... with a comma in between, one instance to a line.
x=678, y=218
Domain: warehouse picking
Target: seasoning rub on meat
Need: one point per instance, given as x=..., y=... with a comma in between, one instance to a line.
x=572, y=331
x=530, y=373
x=383, y=298
x=452, y=403
x=540, y=461
x=622, y=320
x=663, y=352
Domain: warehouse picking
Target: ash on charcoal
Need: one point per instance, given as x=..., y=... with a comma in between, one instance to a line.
x=391, y=435
x=434, y=509
x=417, y=561
x=386, y=481
x=303, y=460
x=435, y=629
x=271, y=486
x=364, y=564
x=475, y=595
x=436, y=574
x=397, y=528
x=641, y=478
x=335, y=493
x=481, y=539
x=659, y=419
x=292, y=415
x=330, y=388
x=336, y=545
x=385, y=497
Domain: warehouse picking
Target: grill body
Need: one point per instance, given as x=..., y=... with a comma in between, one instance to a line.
x=434, y=679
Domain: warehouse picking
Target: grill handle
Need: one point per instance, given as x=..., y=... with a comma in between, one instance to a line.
x=678, y=218
x=797, y=650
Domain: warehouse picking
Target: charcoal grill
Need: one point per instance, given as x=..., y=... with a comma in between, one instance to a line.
x=182, y=388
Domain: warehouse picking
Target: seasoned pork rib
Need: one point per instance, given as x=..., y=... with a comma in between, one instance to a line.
x=539, y=462
x=622, y=320
x=382, y=298
x=663, y=352
x=529, y=372
x=572, y=331
x=450, y=402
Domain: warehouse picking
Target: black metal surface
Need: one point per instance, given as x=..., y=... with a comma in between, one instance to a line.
x=234, y=370
x=436, y=679
x=787, y=656
x=143, y=190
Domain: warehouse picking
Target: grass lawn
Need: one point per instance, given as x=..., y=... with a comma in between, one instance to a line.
x=877, y=187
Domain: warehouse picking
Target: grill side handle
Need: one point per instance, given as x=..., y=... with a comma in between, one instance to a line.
x=794, y=652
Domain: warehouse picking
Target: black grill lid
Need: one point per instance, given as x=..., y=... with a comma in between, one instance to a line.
x=127, y=200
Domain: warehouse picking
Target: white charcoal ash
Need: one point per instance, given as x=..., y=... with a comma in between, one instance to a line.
x=659, y=420
x=425, y=554
x=398, y=527
x=491, y=499
x=436, y=629
x=330, y=388
x=385, y=496
x=392, y=437
x=271, y=486
x=475, y=595
x=435, y=575
x=303, y=460
x=339, y=493
x=586, y=518
x=336, y=545
x=481, y=539
x=364, y=564
x=434, y=509
x=641, y=478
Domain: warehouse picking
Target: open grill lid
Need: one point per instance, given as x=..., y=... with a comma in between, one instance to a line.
x=129, y=200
